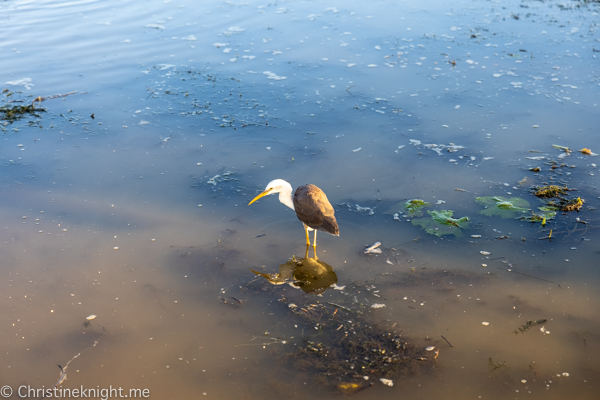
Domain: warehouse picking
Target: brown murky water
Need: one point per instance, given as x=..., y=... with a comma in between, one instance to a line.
x=138, y=215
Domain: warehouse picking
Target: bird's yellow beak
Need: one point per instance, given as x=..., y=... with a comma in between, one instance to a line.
x=263, y=194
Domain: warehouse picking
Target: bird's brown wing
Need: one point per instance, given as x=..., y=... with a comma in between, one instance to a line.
x=314, y=210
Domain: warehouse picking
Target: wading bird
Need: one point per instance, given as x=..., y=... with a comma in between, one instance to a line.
x=311, y=206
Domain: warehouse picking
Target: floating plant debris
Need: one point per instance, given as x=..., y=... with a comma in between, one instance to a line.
x=550, y=191
x=12, y=113
x=373, y=249
x=572, y=205
x=556, y=198
x=563, y=148
x=542, y=218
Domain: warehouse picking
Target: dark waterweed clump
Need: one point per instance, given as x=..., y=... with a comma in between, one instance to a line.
x=347, y=348
x=551, y=191
x=572, y=205
x=13, y=112
x=556, y=197
x=528, y=325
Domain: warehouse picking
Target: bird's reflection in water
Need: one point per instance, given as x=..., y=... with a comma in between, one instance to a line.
x=309, y=274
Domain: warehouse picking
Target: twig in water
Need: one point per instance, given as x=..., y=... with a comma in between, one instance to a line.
x=40, y=98
x=549, y=237
x=449, y=344
x=340, y=306
x=274, y=341
x=529, y=276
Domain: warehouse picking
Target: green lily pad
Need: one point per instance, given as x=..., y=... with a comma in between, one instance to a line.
x=442, y=223
x=503, y=207
x=415, y=206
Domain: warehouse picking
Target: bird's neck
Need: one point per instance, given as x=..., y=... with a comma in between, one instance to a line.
x=286, y=198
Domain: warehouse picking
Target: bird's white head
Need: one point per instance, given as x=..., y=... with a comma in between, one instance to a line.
x=278, y=186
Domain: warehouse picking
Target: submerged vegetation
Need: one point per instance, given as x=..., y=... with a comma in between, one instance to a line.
x=342, y=346
x=497, y=365
x=347, y=349
x=528, y=325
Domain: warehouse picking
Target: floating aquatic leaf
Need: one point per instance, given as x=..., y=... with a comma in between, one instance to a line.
x=415, y=207
x=502, y=207
x=442, y=223
x=445, y=217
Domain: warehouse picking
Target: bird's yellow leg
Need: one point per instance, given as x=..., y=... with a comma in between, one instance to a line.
x=306, y=254
x=315, y=240
x=307, y=237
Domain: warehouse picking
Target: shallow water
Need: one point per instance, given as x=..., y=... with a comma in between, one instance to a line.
x=139, y=215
